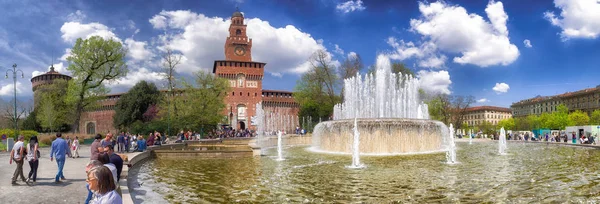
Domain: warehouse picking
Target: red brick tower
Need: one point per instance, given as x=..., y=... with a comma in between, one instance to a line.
x=244, y=75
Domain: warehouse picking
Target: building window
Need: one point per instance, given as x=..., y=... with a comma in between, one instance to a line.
x=238, y=32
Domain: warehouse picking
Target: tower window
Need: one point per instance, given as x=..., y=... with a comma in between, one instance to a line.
x=238, y=32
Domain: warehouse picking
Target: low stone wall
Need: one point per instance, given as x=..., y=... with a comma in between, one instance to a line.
x=287, y=140
x=203, y=154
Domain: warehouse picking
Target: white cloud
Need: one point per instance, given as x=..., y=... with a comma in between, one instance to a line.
x=350, y=6
x=483, y=100
x=527, y=43
x=8, y=89
x=451, y=29
x=137, y=50
x=338, y=50
x=434, y=81
x=501, y=88
x=200, y=39
x=135, y=76
x=352, y=55
x=78, y=16
x=578, y=18
x=73, y=30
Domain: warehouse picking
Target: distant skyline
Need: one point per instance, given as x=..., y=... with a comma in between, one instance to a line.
x=500, y=52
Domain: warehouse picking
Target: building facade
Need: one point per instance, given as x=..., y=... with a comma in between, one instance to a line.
x=586, y=100
x=245, y=78
x=476, y=115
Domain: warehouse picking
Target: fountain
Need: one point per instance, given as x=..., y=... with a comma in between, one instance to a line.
x=356, y=148
x=279, y=146
x=502, y=142
x=470, y=136
x=388, y=114
x=451, y=154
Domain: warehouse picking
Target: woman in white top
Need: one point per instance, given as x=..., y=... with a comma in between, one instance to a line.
x=75, y=147
x=33, y=158
x=103, y=186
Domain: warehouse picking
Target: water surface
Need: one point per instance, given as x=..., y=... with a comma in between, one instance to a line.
x=531, y=172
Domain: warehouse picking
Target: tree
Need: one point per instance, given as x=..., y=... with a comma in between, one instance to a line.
x=508, y=124
x=133, y=105
x=31, y=123
x=579, y=118
x=458, y=108
x=545, y=120
x=93, y=62
x=533, y=121
x=521, y=123
x=449, y=109
x=351, y=66
x=486, y=128
x=316, y=89
x=170, y=61
x=595, y=119
x=53, y=110
x=558, y=119
x=397, y=67
x=200, y=104
x=437, y=108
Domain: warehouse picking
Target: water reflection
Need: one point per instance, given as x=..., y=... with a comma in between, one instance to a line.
x=530, y=173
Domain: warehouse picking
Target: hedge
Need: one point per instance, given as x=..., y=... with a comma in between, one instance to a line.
x=11, y=133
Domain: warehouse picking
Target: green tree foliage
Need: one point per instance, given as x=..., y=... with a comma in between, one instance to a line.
x=578, y=118
x=534, y=122
x=521, y=123
x=508, y=124
x=449, y=109
x=595, y=119
x=199, y=106
x=316, y=89
x=31, y=123
x=545, y=120
x=53, y=112
x=93, y=62
x=133, y=104
x=486, y=128
x=558, y=119
x=397, y=67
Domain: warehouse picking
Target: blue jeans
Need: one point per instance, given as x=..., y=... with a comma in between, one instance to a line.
x=89, y=196
x=61, y=164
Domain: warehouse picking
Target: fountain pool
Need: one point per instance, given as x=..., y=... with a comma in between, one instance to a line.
x=532, y=173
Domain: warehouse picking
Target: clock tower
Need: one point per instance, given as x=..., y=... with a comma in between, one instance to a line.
x=238, y=47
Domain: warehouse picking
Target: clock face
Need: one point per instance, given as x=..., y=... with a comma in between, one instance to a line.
x=240, y=50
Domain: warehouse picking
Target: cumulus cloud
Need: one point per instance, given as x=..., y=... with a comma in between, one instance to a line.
x=352, y=55
x=338, y=50
x=527, y=43
x=578, y=18
x=451, y=29
x=501, y=88
x=73, y=30
x=137, y=75
x=59, y=67
x=483, y=100
x=350, y=6
x=196, y=36
x=434, y=81
x=137, y=50
x=8, y=89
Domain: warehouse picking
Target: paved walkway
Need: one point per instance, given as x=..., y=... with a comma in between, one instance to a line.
x=71, y=190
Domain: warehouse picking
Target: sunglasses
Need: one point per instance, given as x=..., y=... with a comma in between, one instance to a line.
x=89, y=179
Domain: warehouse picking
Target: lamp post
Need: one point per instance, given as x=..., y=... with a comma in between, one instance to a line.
x=15, y=71
x=169, y=110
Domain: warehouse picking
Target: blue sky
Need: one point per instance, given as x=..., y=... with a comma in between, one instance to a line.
x=460, y=47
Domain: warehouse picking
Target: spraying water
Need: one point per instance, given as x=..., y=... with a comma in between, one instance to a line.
x=382, y=95
x=451, y=153
x=470, y=136
x=356, y=147
x=279, y=146
x=502, y=142
x=260, y=129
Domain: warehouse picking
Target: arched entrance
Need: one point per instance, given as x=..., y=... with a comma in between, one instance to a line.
x=242, y=125
x=90, y=128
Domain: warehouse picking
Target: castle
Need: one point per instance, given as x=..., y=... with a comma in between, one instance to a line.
x=245, y=78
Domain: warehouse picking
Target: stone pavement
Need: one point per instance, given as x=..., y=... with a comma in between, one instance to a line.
x=71, y=190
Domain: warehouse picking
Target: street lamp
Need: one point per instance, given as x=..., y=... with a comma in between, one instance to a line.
x=15, y=71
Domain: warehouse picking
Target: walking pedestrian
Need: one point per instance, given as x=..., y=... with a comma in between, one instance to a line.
x=120, y=143
x=75, y=147
x=17, y=154
x=32, y=157
x=59, y=150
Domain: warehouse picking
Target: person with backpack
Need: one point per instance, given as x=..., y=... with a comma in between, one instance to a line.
x=33, y=155
x=17, y=154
